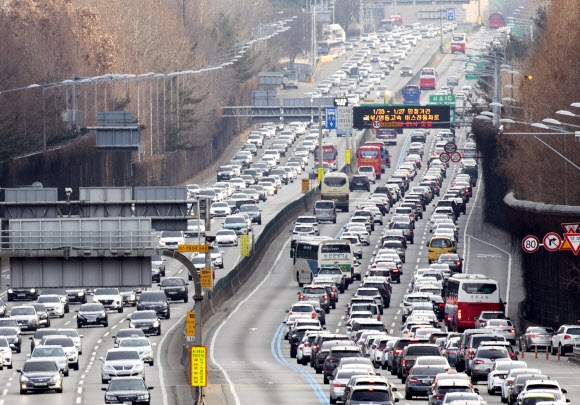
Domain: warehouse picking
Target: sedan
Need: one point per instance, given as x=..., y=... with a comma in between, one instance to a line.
x=147, y=321
x=226, y=237
x=127, y=390
x=92, y=314
x=220, y=209
x=502, y=327
x=339, y=379
x=535, y=337
x=142, y=345
x=454, y=261
x=406, y=71
x=40, y=375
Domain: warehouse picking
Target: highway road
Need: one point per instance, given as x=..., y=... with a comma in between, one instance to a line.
x=249, y=360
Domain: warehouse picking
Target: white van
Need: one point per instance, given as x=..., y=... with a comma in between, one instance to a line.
x=335, y=187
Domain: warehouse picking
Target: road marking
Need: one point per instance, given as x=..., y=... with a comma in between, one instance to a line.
x=4, y=392
x=79, y=390
x=79, y=400
x=106, y=334
x=114, y=326
x=67, y=322
x=99, y=341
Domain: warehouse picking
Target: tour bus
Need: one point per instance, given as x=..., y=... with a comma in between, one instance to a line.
x=309, y=256
x=335, y=187
x=333, y=48
x=387, y=135
x=411, y=94
x=458, y=42
x=385, y=157
x=370, y=156
x=496, y=20
x=427, y=79
x=329, y=155
x=466, y=296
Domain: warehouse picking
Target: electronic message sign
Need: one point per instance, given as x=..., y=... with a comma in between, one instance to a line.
x=378, y=116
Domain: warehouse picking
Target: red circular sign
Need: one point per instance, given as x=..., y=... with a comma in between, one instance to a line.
x=450, y=147
x=530, y=244
x=455, y=157
x=552, y=241
x=376, y=124
x=444, y=157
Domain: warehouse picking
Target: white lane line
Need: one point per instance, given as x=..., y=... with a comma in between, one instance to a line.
x=114, y=326
x=337, y=331
x=466, y=267
x=159, y=364
x=81, y=382
x=4, y=392
x=99, y=341
x=79, y=400
x=106, y=334
x=79, y=390
x=214, y=337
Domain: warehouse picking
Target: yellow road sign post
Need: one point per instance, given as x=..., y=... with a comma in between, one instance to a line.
x=198, y=360
x=245, y=245
x=305, y=185
x=206, y=278
x=190, y=323
x=193, y=248
x=320, y=174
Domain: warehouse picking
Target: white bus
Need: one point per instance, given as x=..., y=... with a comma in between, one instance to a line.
x=317, y=252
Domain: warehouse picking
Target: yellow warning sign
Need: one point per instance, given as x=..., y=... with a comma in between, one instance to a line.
x=320, y=174
x=347, y=156
x=198, y=366
x=190, y=323
x=245, y=245
x=206, y=278
x=193, y=248
x=305, y=185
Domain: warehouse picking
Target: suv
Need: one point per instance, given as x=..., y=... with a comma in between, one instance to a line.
x=337, y=276
x=317, y=345
x=325, y=210
x=407, y=228
x=175, y=288
x=359, y=182
x=442, y=387
x=410, y=354
x=566, y=337
x=110, y=298
x=334, y=356
x=462, y=352
x=398, y=349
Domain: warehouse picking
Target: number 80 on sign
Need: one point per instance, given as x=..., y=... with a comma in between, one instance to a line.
x=530, y=244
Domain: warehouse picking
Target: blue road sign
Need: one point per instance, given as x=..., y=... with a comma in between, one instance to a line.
x=330, y=117
x=450, y=14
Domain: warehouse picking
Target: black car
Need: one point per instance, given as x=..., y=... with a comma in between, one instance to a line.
x=13, y=337
x=21, y=293
x=123, y=390
x=360, y=183
x=39, y=335
x=127, y=333
x=156, y=301
x=76, y=295
x=147, y=321
x=175, y=288
x=419, y=381
x=454, y=261
x=225, y=173
x=92, y=314
x=40, y=375
x=406, y=71
x=155, y=274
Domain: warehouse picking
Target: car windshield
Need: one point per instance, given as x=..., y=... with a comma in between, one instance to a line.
x=91, y=308
x=171, y=234
x=140, y=342
x=70, y=333
x=64, y=342
x=106, y=291
x=249, y=208
x=153, y=296
x=234, y=220
x=22, y=311
x=32, y=366
x=3, y=342
x=130, y=333
x=225, y=233
x=370, y=395
x=122, y=355
x=42, y=299
x=143, y=315
x=121, y=384
x=173, y=281
x=40, y=351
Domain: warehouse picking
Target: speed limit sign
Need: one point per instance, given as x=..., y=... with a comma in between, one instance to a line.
x=530, y=244
x=444, y=157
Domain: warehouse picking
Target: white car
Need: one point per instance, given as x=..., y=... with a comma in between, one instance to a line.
x=220, y=209
x=69, y=347
x=6, y=352
x=170, y=239
x=361, y=231
x=110, y=298
x=74, y=335
x=120, y=362
x=355, y=243
x=499, y=371
x=226, y=237
x=142, y=345
x=26, y=317
x=503, y=327
x=566, y=337
x=53, y=304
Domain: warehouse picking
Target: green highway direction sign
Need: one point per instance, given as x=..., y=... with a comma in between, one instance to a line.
x=471, y=76
x=442, y=99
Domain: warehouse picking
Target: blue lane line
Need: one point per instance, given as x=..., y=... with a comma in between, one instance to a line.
x=403, y=150
x=275, y=347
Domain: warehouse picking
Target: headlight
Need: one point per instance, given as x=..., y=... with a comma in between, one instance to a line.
x=102, y=315
x=182, y=289
x=138, y=366
x=32, y=290
x=110, y=397
x=107, y=367
x=55, y=378
x=80, y=293
x=131, y=325
x=156, y=324
x=23, y=378
x=10, y=291
x=143, y=397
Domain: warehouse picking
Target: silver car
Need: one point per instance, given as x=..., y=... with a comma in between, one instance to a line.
x=142, y=345
x=536, y=337
x=339, y=380
x=483, y=361
x=121, y=362
x=54, y=353
x=26, y=317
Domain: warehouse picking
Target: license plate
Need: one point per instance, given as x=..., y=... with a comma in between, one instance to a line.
x=171, y=292
x=41, y=384
x=91, y=320
x=22, y=295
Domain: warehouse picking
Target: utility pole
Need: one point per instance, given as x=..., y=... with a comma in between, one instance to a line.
x=496, y=90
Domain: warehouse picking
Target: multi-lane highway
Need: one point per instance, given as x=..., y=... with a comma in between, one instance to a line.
x=249, y=359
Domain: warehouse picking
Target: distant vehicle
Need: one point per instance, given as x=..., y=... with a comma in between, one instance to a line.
x=411, y=94
x=332, y=48
x=388, y=135
x=289, y=79
x=329, y=155
x=370, y=156
x=428, y=79
x=458, y=42
x=496, y=20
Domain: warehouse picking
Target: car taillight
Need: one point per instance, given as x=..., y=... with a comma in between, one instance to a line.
x=395, y=271
x=459, y=314
x=314, y=211
x=513, y=356
x=398, y=351
x=301, y=296
x=347, y=197
x=325, y=296
x=510, y=381
x=533, y=335
x=512, y=331
x=413, y=380
x=412, y=232
x=306, y=344
x=289, y=313
x=337, y=385
x=438, y=396
x=478, y=361
x=313, y=317
x=458, y=263
x=404, y=361
x=451, y=351
x=567, y=337
x=331, y=295
x=441, y=304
